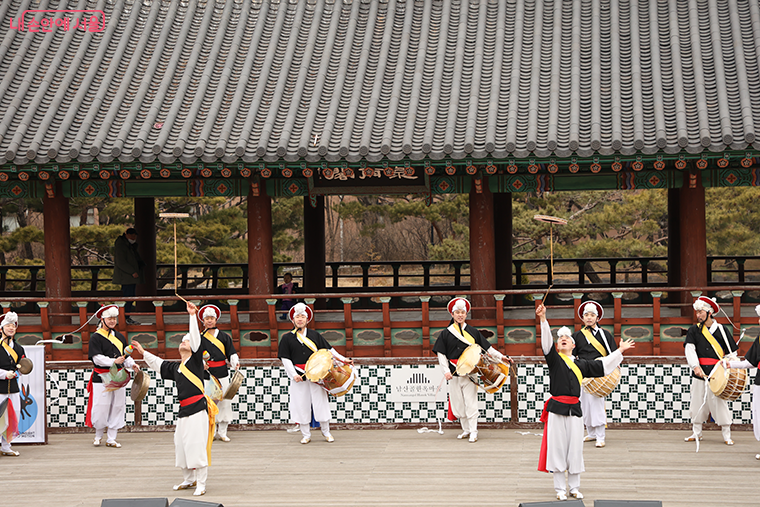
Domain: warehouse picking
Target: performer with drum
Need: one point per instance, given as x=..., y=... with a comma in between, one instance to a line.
x=10, y=356
x=107, y=407
x=752, y=360
x=562, y=444
x=450, y=345
x=195, y=421
x=296, y=347
x=593, y=342
x=220, y=348
x=706, y=343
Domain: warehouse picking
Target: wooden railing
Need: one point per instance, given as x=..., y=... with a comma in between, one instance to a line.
x=394, y=332
x=229, y=279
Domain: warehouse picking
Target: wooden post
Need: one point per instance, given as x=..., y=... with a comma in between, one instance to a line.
x=145, y=224
x=160, y=327
x=274, y=339
x=482, y=245
x=656, y=322
x=314, y=247
x=349, y=325
x=500, y=338
x=426, y=345
x=260, y=262
x=57, y=253
x=82, y=306
x=502, y=215
x=387, y=343
x=692, y=235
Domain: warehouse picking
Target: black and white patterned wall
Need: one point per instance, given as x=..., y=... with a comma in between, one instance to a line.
x=647, y=393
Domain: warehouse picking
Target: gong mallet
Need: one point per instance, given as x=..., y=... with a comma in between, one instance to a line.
x=175, y=216
x=551, y=221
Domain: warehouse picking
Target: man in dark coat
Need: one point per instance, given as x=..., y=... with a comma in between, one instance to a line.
x=127, y=267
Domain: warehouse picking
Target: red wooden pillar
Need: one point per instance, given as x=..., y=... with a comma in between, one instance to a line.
x=314, y=248
x=57, y=251
x=692, y=234
x=145, y=223
x=260, y=263
x=482, y=244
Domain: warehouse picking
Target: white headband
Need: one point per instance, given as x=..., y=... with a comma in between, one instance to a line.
x=459, y=305
x=300, y=309
x=757, y=310
x=109, y=312
x=208, y=312
x=565, y=331
x=702, y=305
x=590, y=308
x=9, y=318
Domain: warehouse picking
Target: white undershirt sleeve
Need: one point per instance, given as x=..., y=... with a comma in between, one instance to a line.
x=337, y=355
x=154, y=362
x=234, y=361
x=103, y=361
x=742, y=365
x=443, y=362
x=691, y=355
x=612, y=361
x=547, y=342
x=289, y=368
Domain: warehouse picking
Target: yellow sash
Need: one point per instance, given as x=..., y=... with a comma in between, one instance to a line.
x=573, y=367
x=184, y=370
x=10, y=351
x=305, y=340
x=711, y=339
x=108, y=335
x=212, y=411
x=215, y=341
x=593, y=341
x=460, y=333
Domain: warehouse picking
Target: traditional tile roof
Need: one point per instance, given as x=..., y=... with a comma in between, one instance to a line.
x=367, y=80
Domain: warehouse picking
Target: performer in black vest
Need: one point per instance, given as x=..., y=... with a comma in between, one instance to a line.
x=220, y=348
x=451, y=342
x=706, y=343
x=562, y=445
x=592, y=342
x=296, y=347
x=752, y=360
x=195, y=421
x=10, y=354
x=106, y=408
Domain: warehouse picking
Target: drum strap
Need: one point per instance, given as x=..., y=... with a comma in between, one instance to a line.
x=593, y=341
x=108, y=335
x=305, y=340
x=10, y=352
x=215, y=341
x=712, y=341
x=461, y=334
x=573, y=367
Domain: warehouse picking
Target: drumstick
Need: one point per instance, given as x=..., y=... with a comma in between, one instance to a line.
x=175, y=216
x=551, y=220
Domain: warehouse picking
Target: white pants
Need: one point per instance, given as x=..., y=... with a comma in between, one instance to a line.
x=225, y=415
x=756, y=410
x=190, y=439
x=594, y=415
x=303, y=397
x=700, y=407
x=463, y=395
x=16, y=402
x=108, y=410
x=564, y=445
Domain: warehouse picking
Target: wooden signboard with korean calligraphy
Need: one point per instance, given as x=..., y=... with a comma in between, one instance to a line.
x=369, y=180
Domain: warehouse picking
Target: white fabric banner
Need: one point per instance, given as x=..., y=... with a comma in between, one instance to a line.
x=409, y=383
x=31, y=421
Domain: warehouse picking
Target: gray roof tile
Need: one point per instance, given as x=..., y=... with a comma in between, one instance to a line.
x=316, y=80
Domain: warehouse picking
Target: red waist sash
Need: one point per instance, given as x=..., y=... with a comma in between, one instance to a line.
x=216, y=364
x=567, y=400
x=191, y=400
x=708, y=361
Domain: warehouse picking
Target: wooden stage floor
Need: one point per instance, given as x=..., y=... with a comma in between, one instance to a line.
x=399, y=467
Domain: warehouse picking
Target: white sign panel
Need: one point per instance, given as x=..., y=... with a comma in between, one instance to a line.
x=417, y=384
x=31, y=419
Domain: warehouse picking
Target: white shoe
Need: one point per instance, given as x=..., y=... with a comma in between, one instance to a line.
x=224, y=438
x=199, y=492
x=463, y=435
x=692, y=438
x=184, y=485
x=113, y=444
x=305, y=440
x=473, y=438
x=329, y=438
x=561, y=496
x=10, y=453
x=589, y=438
x=600, y=443
x=296, y=429
x=757, y=456
x=576, y=494
x=729, y=442
x=96, y=443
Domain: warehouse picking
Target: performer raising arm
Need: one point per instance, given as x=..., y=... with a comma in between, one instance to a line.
x=195, y=421
x=562, y=445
